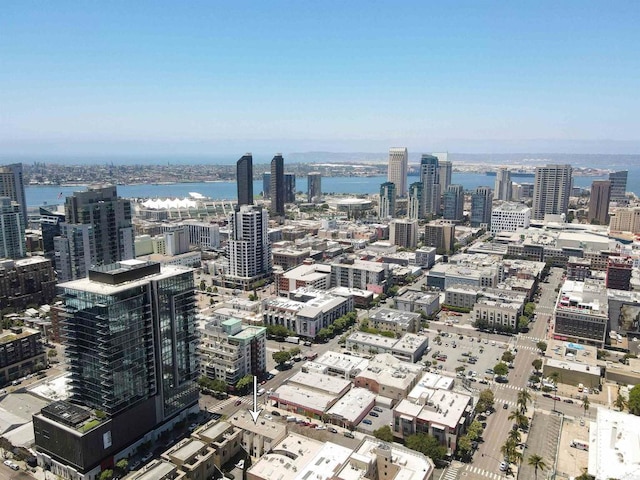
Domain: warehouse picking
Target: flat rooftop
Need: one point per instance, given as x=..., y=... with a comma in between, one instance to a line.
x=353, y=404
x=614, y=445
x=328, y=384
x=304, y=397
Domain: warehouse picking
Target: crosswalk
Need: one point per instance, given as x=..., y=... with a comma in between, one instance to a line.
x=507, y=386
x=531, y=348
x=452, y=472
x=484, y=473
x=511, y=403
x=533, y=339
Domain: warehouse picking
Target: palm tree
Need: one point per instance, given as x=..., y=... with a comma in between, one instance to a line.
x=524, y=397
x=537, y=462
x=620, y=403
x=585, y=404
x=554, y=377
x=518, y=417
x=514, y=435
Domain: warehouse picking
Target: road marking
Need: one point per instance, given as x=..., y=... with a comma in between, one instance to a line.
x=451, y=473
x=484, y=473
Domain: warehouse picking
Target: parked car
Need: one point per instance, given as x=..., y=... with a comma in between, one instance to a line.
x=333, y=430
x=377, y=409
x=238, y=402
x=240, y=464
x=505, y=406
x=366, y=421
x=568, y=400
x=373, y=414
x=503, y=466
x=349, y=435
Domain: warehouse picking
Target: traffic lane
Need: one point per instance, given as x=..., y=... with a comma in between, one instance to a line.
x=488, y=456
x=7, y=474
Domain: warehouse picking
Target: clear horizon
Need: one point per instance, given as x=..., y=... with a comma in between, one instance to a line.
x=152, y=78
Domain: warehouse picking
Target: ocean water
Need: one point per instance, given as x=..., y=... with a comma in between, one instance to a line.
x=55, y=195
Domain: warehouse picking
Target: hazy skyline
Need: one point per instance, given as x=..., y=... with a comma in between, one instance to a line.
x=203, y=77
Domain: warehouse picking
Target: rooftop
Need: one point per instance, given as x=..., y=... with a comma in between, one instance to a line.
x=353, y=404
x=614, y=440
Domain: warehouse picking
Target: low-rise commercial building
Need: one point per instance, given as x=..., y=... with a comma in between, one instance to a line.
x=193, y=457
x=258, y=439
x=309, y=274
x=26, y=281
x=581, y=313
x=389, y=377
x=409, y=348
x=337, y=364
x=352, y=407
x=510, y=217
x=310, y=394
x=415, y=301
x=396, y=321
x=352, y=273
x=21, y=353
x=497, y=313
x=443, y=414
x=613, y=445
x=223, y=438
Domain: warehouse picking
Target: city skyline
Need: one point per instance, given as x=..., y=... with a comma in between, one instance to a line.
x=165, y=78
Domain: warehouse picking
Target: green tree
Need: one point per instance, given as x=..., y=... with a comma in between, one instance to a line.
x=523, y=322
x=524, y=397
x=427, y=445
x=514, y=435
x=244, y=383
x=464, y=446
x=475, y=430
x=485, y=400
x=281, y=357
x=501, y=369
x=537, y=462
x=384, y=433
x=323, y=334
x=542, y=346
x=519, y=418
x=537, y=364
x=203, y=285
x=106, y=474
x=634, y=400
x=123, y=465
x=585, y=475
x=508, y=356
x=294, y=351
x=53, y=353
x=278, y=331
x=529, y=308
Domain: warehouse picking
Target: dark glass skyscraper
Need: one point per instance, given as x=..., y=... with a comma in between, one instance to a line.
x=454, y=203
x=619, y=186
x=277, y=185
x=244, y=175
x=481, y=201
x=314, y=187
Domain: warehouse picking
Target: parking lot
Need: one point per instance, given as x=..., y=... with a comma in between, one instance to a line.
x=472, y=350
x=376, y=418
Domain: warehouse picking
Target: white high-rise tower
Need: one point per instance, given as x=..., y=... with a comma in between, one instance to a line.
x=551, y=190
x=397, y=171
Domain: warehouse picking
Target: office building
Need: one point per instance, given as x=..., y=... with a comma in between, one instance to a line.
x=619, y=186
x=49, y=228
x=503, y=185
x=582, y=312
x=75, y=251
x=289, y=188
x=12, y=186
x=21, y=353
x=229, y=350
x=397, y=170
x=387, y=208
x=441, y=235
x=244, y=179
x=277, y=188
x=130, y=340
x=619, y=270
x=314, y=187
x=266, y=186
x=430, y=178
x=249, y=249
x=551, y=191
x=445, y=169
x=27, y=281
x=110, y=217
x=12, y=239
x=481, y=203
x=415, y=201
x=454, y=203
x=404, y=233
x=625, y=220
x=599, y=202
x=510, y=217
x=360, y=274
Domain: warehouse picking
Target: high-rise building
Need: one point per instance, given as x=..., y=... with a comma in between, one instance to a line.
x=244, y=176
x=441, y=235
x=289, y=188
x=110, y=217
x=503, y=186
x=619, y=186
x=454, y=203
x=12, y=239
x=445, y=169
x=12, y=186
x=75, y=250
x=625, y=220
x=276, y=190
x=415, y=201
x=49, y=228
x=130, y=340
x=481, y=201
x=430, y=178
x=387, y=206
x=551, y=191
x=397, y=170
x=404, y=233
x=266, y=186
x=249, y=249
x=314, y=187
x=599, y=202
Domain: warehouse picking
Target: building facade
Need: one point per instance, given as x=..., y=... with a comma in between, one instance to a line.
x=277, y=187
x=387, y=207
x=481, y=203
x=510, y=217
x=441, y=235
x=599, y=202
x=12, y=238
x=453, y=201
x=619, y=186
x=404, y=233
x=244, y=179
x=430, y=178
x=12, y=186
x=414, y=207
x=551, y=192
x=625, y=220
x=397, y=169
x=26, y=281
x=314, y=187
x=503, y=185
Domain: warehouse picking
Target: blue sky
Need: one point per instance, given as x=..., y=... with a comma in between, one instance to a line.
x=197, y=77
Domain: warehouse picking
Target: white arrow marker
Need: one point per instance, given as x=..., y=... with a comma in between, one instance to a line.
x=255, y=413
